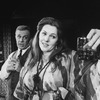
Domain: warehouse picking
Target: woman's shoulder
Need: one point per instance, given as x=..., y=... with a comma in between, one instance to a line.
x=65, y=56
x=69, y=53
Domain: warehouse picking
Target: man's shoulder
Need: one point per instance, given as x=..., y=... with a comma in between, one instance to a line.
x=12, y=53
x=28, y=50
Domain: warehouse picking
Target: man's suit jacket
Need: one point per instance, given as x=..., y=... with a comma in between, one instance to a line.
x=12, y=77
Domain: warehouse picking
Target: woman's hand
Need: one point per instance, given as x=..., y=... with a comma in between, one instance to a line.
x=94, y=39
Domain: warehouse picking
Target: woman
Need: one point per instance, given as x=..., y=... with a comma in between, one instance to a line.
x=49, y=70
x=47, y=73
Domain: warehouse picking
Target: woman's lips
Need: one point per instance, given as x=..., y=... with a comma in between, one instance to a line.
x=45, y=44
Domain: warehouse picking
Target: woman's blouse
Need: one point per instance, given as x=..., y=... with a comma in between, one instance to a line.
x=88, y=87
x=57, y=77
x=95, y=79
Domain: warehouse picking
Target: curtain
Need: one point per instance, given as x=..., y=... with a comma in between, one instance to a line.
x=6, y=41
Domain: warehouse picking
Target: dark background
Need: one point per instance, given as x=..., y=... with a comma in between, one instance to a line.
x=78, y=17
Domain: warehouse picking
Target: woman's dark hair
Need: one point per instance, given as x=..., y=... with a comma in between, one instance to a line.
x=36, y=51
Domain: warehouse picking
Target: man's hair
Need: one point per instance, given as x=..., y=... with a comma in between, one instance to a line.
x=23, y=27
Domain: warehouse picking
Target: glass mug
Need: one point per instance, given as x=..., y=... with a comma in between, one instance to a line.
x=86, y=53
x=13, y=64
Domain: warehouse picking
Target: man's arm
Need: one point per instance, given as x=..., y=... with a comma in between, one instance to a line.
x=3, y=72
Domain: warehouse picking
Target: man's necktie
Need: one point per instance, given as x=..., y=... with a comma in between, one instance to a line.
x=20, y=54
x=18, y=63
x=15, y=74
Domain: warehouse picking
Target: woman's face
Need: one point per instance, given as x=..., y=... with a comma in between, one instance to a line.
x=48, y=38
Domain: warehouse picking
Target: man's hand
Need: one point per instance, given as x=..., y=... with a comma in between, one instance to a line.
x=11, y=65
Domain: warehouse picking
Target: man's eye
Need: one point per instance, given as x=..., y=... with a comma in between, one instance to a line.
x=25, y=37
x=19, y=36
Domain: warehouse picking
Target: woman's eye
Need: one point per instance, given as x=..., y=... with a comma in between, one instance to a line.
x=53, y=36
x=44, y=33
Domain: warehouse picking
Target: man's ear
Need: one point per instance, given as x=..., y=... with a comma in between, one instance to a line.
x=30, y=41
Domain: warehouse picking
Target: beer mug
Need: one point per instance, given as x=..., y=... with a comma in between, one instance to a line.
x=13, y=64
x=85, y=53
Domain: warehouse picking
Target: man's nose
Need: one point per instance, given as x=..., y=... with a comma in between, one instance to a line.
x=21, y=39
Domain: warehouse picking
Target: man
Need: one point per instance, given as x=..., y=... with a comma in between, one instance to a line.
x=12, y=66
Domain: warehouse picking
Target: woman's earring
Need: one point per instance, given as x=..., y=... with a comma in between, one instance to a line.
x=55, y=47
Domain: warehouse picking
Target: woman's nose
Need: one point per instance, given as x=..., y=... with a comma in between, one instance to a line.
x=46, y=38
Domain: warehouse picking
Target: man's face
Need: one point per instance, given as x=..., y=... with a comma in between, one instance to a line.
x=22, y=38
